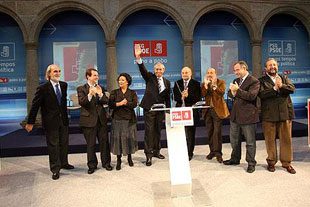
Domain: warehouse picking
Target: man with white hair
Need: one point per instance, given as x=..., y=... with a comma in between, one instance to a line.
x=157, y=92
x=51, y=97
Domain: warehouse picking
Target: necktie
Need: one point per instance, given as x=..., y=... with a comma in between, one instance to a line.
x=159, y=86
x=240, y=83
x=185, y=85
x=58, y=94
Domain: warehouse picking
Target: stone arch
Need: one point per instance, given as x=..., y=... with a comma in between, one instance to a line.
x=240, y=12
x=56, y=8
x=17, y=20
x=298, y=13
x=159, y=6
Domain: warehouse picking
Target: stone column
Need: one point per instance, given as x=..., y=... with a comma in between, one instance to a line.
x=111, y=65
x=256, y=57
x=188, y=54
x=32, y=74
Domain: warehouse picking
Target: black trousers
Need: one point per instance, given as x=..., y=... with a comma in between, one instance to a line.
x=214, y=131
x=57, y=146
x=190, y=132
x=90, y=134
x=153, y=121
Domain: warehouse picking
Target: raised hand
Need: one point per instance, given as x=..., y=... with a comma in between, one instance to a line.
x=138, y=51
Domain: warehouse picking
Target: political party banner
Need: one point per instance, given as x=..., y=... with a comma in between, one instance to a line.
x=288, y=44
x=12, y=70
x=221, y=55
x=220, y=39
x=181, y=116
x=74, y=58
x=74, y=41
x=160, y=40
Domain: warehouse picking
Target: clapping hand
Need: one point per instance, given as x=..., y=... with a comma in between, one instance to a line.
x=99, y=90
x=233, y=87
x=278, y=82
x=92, y=91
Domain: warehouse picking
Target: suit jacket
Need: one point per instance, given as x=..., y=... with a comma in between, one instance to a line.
x=151, y=94
x=93, y=109
x=193, y=92
x=123, y=112
x=217, y=95
x=276, y=105
x=52, y=113
x=244, y=109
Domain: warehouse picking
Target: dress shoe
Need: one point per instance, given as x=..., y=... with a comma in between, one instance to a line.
x=67, y=167
x=231, y=162
x=159, y=156
x=251, y=169
x=55, y=176
x=118, y=164
x=148, y=162
x=108, y=167
x=210, y=156
x=91, y=170
x=130, y=162
x=190, y=157
x=271, y=168
x=290, y=169
x=219, y=158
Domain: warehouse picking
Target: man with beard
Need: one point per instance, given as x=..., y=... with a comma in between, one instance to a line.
x=213, y=90
x=277, y=114
x=51, y=97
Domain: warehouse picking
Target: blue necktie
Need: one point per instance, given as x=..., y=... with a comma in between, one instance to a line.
x=58, y=94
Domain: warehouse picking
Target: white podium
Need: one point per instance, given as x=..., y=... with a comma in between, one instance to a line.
x=180, y=174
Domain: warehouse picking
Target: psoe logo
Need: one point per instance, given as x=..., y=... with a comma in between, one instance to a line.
x=7, y=51
x=176, y=116
x=152, y=48
x=186, y=115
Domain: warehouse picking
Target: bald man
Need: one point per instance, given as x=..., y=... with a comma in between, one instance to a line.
x=213, y=90
x=51, y=97
x=186, y=93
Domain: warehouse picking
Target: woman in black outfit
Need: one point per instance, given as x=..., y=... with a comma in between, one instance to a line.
x=124, y=130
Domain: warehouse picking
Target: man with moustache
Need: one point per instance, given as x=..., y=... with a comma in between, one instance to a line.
x=186, y=93
x=244, y=115
x=213, y=90
x=51, y=97
x=157, y=92
x=277, y=114
x=93, y=120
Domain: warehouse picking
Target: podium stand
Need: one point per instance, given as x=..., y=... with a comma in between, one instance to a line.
x=180, y=175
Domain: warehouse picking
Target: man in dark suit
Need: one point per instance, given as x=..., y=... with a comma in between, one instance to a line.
x=157, y=92
x=51, y=97
x=244, y=115
x=277, y=114
x=213, y=90
x=93, y=120
x=186, y=92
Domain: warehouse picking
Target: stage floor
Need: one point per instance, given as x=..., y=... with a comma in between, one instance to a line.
x=26, y=181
